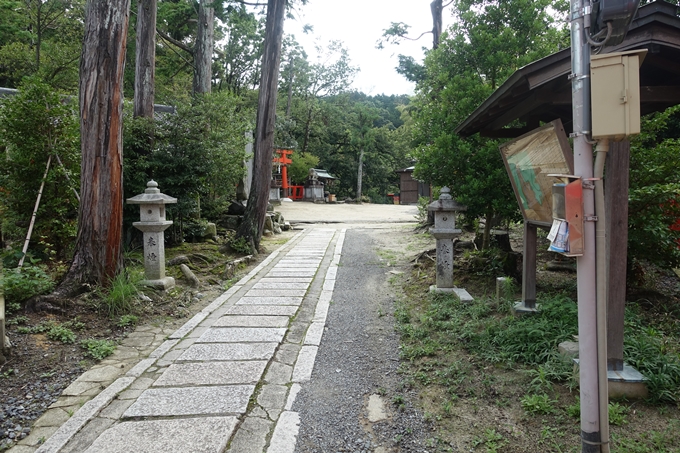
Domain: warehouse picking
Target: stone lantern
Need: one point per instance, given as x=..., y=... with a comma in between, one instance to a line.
x=445, y=231
x=152, y=215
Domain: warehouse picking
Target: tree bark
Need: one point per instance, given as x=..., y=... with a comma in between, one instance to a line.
x=437, y=22
x=204, y=47
x=145, y=61
x=98, y=251
x=256, y=210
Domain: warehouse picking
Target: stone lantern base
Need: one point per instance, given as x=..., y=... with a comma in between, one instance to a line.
x=461, y=294
x=162, y=284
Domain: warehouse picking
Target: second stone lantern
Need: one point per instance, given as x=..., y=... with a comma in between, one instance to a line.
x=445, y=231
x=152, y=223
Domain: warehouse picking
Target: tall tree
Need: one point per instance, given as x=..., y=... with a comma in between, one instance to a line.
x=98, y=251
x=256, y=210
x=145, y=58
x=203, y=50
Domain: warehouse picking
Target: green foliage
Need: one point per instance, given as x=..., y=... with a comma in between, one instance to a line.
x=488, y=41
x=491, y=440
x=195, y=155
x=655, y=190
x=538, y=404
x=617, y=414
x=19, y=286
x=34, y=125
x=299, y=169
x=61, y=334
x=119, y=298
x=127, y=321
x=98, y=349
x=240, y=245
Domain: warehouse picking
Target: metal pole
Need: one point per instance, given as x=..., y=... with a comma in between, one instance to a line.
x=586, y=264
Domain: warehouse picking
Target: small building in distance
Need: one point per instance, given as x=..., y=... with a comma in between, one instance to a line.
x=410, y=189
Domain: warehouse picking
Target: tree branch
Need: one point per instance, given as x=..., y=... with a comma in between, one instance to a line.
x=171, y=40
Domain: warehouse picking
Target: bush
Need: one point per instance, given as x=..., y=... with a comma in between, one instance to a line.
x=34, y=125
x=98, y=349
x=21, y=285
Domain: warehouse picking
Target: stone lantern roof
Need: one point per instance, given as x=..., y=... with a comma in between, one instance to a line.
x=152, y=195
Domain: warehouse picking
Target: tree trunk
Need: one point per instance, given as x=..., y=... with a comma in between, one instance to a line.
x=145, y=61
x=436, y=8
x=360, y=174
x=204, y=47
x=486, y=239
x=256, y=211
x=98, y=251
x=290, y=90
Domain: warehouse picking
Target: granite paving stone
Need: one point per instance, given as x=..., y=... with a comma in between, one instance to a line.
x=196, y=435
x=257, y=310
x=305, y=364
x=167, y=402
x=251, y=436
x=243, y=335
x=212, y=373
x=280, y=285
x=269, y=301
x=276, y=293
x=252, y=321
x=286, y=279
x=229, y=351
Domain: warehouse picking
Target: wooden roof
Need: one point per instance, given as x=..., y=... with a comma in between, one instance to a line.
x=541, y=91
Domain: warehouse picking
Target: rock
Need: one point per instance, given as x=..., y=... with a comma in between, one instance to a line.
x=181, y=259
x=269, y=223
x=210, y=231
x=236, y=208
x=464, y=245
x=561, y=266
x=277, y=229
x=286, y=226
x=193, y=280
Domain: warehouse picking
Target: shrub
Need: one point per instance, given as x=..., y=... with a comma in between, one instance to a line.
x=61, y=334
x=21, y=285
x=35, y=125
x=98, y=349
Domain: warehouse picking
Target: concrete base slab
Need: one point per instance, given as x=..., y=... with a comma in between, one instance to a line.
x=520, y=309
x=628, y=383
x=461, y=294
x=206, y=435
x=163, y=284
x=568, y=348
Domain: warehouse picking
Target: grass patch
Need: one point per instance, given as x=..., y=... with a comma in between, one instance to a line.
x=98, y=349
x=119, y=298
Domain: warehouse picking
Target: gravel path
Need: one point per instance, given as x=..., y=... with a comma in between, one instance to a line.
x=357, y=362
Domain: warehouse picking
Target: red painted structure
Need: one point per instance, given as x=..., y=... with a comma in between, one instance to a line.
x=283, y=158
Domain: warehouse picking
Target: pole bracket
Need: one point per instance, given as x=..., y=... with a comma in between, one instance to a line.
x=590, y=218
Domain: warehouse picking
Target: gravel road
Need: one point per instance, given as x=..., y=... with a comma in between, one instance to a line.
x=357, y=363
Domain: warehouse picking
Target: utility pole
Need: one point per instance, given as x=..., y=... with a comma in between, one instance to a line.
x=591, y=425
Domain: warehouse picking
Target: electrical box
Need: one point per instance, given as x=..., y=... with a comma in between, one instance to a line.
x=566, y=234
x=615, y=94
x=619, y=12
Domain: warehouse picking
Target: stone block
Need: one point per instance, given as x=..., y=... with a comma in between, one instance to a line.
x=252, y=321
x=257, y=310
x=243, y=335
x=212, y=373
x=269, y=301
x=568, y=349
x=229, y=351
x=168, y=402
x=206, y=435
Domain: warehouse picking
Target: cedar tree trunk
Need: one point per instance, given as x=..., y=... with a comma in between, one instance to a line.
x=436, y=8
x=145, y=61
x=204, y=47
x=256, y=210
x=98, y=251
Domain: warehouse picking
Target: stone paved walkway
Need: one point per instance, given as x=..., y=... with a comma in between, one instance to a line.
x=227, y=378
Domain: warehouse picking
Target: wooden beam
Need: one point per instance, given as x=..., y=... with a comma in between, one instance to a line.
x=616, y=209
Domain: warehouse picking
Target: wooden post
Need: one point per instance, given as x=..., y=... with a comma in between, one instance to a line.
x=529, y=266
x=2, y=321
x=616, y=208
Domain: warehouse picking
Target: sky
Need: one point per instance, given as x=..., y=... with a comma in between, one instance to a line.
x=359, y=24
